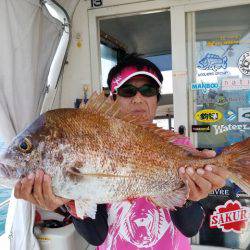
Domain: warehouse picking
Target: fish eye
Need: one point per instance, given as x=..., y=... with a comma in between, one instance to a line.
x=25, y=146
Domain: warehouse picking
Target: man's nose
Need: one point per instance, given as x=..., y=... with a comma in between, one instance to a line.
x=138, y=98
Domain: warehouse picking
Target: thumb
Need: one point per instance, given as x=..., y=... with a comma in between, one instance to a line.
x=206, y=153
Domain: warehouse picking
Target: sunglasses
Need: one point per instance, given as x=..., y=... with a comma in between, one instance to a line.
x=129, y=90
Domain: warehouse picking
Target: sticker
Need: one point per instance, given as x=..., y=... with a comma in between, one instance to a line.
x=224, y=40
x=200, y=128
x=230, y=115
x=221, y=192
x=230, y=217
x=180, y=73
x=244, y=63
x=79, y=44
x=204, y=86
x=221, y=43
x=219, y=100
x=212, y=73
x=219, y=129
x=235, y=84
x=234, y=136
x=244, y=114
x=212, y=62
x=96, y=3
x=43, y=238
x=208, y=115
x=236, y=99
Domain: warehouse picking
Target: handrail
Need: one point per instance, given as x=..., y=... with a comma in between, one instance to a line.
x=4, y=203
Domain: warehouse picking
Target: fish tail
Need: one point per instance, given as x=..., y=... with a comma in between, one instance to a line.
x=239, y=155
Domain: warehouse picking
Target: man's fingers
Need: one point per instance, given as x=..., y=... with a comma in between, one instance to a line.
x=23, y=189
x=17, y=190
x=52, y=202
x=204, y=185
x=26, y=186
x=215, y=180
x=218, y=171
x=37, y=190
x=50, y=199
x=208, y=153
x=194, y=193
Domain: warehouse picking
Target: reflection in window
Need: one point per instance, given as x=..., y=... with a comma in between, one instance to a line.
x=165, y=123
x=108, y=61
x=164, y=63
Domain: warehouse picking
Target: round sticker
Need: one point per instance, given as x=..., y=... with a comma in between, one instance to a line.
x=208, y=115
x=244, y=63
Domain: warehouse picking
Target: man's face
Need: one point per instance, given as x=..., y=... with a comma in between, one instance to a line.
x=139, y=104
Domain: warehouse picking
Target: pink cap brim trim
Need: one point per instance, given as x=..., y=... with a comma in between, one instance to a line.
x=136, y=74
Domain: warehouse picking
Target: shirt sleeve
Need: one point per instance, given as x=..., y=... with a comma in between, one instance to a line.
x=94, y=231
x=189, y=218
x=183, y=141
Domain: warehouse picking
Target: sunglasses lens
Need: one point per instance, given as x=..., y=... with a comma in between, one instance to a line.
x=149, y=90
x=127, y=91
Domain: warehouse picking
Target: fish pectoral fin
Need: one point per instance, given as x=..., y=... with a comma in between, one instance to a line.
x=74, y=170
x=176, y=198
x=85, y=208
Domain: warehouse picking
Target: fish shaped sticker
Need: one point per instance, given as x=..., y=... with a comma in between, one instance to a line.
x=212, y=62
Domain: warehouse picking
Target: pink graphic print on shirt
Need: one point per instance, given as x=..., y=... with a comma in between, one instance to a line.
x=141, y=225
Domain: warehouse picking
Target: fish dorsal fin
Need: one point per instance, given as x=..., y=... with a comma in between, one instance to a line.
x=95, y=102
x=99, y=103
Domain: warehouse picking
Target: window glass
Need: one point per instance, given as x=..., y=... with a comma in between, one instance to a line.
x=108, y=61
x=221, y=91
x=164, y=63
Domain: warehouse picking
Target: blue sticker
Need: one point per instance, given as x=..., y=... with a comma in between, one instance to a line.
x=230, y=115
x=234, y=136
x=212, y=62
x=205, y=87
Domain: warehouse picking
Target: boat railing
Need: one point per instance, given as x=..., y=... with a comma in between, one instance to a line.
x=7, y=201
x=4, y=203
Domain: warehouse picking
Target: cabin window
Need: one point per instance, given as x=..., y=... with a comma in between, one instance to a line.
x=108, y=61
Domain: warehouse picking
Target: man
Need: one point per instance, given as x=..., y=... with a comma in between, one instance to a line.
x=135, y=84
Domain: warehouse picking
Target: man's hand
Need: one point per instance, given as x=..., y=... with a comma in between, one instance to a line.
x=204, y=180
x=36, y=188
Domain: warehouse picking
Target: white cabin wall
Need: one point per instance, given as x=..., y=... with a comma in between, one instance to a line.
x=77, y=71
